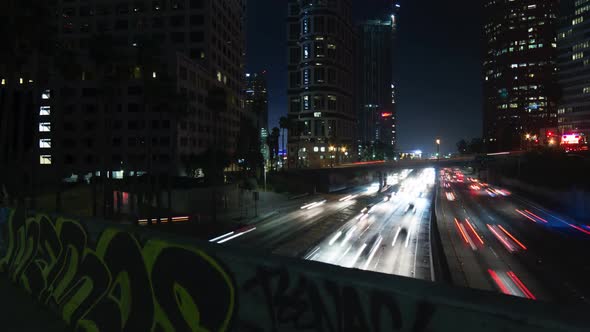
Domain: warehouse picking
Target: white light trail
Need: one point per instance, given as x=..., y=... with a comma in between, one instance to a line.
x=373, y=251
x=221, y=237
x=237, y=235
x=395, y=237
x=358, y=254
x=335, y=238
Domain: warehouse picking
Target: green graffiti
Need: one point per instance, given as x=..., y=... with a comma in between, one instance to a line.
x=115, y=283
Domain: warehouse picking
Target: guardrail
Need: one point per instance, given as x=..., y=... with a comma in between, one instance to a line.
x=100, y=277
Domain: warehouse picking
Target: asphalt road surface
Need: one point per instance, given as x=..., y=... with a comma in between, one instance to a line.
x=499, y=241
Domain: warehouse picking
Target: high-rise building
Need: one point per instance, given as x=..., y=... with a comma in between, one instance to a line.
x=257, y=107
x=257, y=99
x=520, y=79
x=150, y=84
x=574, y=71
x=376, y=114
x=321, y=83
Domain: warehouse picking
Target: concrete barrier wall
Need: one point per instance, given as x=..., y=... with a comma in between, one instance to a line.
x=103, y=278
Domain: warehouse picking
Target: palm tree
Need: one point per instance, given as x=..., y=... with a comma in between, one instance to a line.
x=283, y=124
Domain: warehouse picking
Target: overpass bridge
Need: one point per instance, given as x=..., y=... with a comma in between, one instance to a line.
x=337, y=178
x=95, y=276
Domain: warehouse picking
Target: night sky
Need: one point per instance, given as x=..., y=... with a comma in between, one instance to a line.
x=438, y=61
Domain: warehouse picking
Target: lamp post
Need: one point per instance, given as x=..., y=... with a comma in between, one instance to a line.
x=437, y=149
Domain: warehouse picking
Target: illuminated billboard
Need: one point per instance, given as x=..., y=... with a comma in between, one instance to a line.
x=571, y=139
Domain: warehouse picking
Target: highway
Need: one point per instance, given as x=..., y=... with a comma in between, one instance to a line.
x=384, y=230
x=499, y=241
x=391, y=236
x=492, y=239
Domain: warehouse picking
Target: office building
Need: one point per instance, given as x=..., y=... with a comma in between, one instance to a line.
x=574, y=71
x=520, y=63
x=149, y=84
x=256, y=109
x=321, y=83
x=376, y=112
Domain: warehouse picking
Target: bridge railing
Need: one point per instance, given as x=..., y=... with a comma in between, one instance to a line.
x=100, y=277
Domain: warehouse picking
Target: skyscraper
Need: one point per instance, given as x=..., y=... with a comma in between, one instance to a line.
x=257, y=107
x=574, y=71
x=520, y=60
x=321, y=83
x=376, y=112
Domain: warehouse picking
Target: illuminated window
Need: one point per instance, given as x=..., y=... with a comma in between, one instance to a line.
x=45, y=127
x=45, y=110
x=3, y=81
x=45, y=159
x=46, y=94
x=45, y=143
x=316, y=149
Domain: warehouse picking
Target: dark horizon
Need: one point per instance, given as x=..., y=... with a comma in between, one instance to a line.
x=435, y=98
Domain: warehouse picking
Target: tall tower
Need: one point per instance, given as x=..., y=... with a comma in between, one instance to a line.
x=321, y=80
x=574, y=75
x=376, y=112
x=257, y=107
x=519, y=70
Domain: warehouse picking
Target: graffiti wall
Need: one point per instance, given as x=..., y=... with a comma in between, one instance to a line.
x=111, y=279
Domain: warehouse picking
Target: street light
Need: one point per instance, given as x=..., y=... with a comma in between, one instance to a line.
x=438, y=149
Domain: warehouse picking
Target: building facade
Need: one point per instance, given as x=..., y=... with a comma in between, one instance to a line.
x=321, y=83
x=520, y=70
x=149, y=84
x=574, y=71
x=376, y=111
x=256, y=97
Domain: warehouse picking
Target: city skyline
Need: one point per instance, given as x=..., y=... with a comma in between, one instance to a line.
x=437, y=113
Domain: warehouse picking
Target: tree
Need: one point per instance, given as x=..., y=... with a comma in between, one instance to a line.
x=462, y=146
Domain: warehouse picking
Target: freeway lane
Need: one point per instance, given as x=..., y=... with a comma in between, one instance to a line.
x=386, y=231
x=391, y=236
x=525, y=252
x=294, y=229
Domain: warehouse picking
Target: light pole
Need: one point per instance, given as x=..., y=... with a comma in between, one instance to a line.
x=437, y=149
